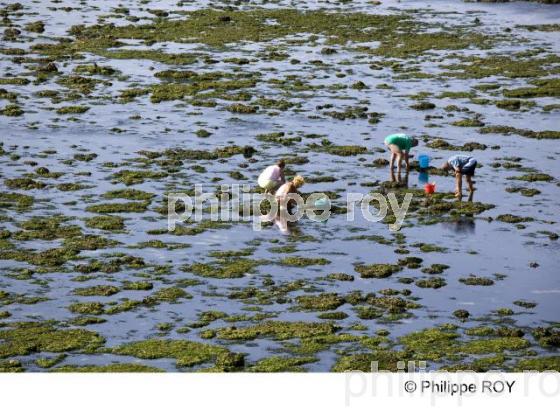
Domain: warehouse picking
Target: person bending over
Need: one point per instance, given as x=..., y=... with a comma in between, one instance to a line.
x=400, y=146
x=461, y=165
x=289, y=188
x=272, y=177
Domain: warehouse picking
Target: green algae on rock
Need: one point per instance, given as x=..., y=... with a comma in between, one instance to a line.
x=547, y=336
x=46, y=228
x=436, y=344
x=98, y=290
x=539, y=364
x=88, y=242
x=344, y=277
x=138, y=285
x=65, y=187
x=133, y=194
x=549, y=87
x=434, y=283
x=124, y=306
x=24, y=183
x=186, y=353
x=29, y=337
x=436, y=268
x=278, y=138
x=72, y=109
x=368, y=312
x=333, y=316
x=106, y=222
x=427, y=247
x=423, y=105
x=118, y=207
x=217, y=28
x=12, y=110
x=35, y=27
x=476, y=281
x=534, y=177
x=15, y=200
x=513, y=219
x=47, y=362
x=499, y=65
x=377, y=270
x=281, y=364
x=508, y=130
x=483, y=364
x=302, y=261
x=132, y=177
x=529, y=192
x=234, y=268
x=525, y=304
x=50, y=257
x=109, y=368
x=11, y=366
x=461, y=314
x=241, y=109
x=442, y=144
x=468, y=122
x=170, y=294
x=87, y=320
x=367, y=362
x=278, y=330
x=87, y=308
x=94, y=69
x=411, y=262
x=324, y=301
x=232, y=254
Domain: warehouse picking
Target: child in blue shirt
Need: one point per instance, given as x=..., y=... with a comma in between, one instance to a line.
x=461, y=165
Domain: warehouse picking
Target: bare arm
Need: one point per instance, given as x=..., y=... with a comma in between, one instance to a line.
x=293, y=189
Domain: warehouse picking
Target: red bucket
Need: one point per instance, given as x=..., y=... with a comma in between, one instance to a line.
x=430, y=188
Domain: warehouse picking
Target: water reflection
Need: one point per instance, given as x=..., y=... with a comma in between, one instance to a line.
x=281, y=222
x=402, y=181
x=464, y=225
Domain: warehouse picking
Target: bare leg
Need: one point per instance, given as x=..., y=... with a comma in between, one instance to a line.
x=406, y=160
x=458, y=185
x=399, y=162
x=392, y=162
x=470, y=183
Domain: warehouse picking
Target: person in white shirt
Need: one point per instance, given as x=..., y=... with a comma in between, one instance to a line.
x=272, y=177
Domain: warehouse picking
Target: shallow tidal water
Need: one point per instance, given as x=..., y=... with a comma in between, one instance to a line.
x=519, y=255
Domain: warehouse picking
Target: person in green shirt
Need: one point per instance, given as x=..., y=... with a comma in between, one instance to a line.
x=400, y=145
